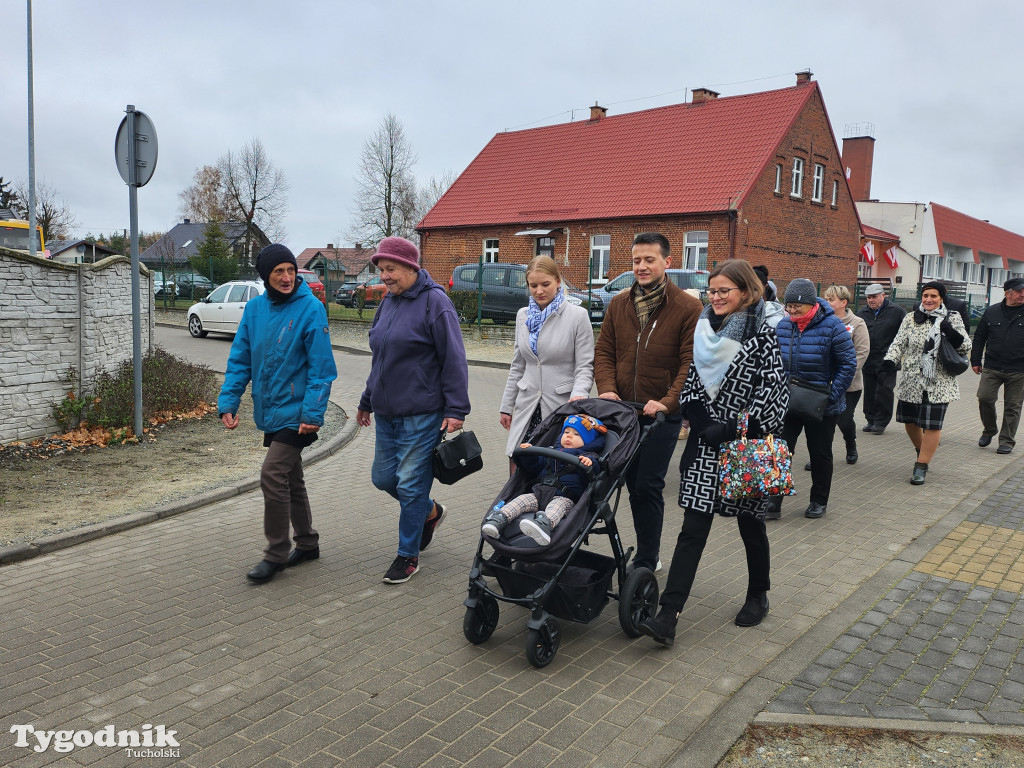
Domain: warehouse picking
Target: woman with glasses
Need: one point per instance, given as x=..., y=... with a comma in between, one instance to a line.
x=736, y=368
x=818, y=350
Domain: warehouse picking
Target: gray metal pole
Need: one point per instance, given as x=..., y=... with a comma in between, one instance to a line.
x=133, y=205
x=31, y=146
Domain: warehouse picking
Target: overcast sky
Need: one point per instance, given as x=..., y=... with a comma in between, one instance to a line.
x=939, y=81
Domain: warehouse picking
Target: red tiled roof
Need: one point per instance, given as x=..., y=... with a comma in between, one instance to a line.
x=352, y=259
x=687, y=158
x=959, y=229
x=875, y=233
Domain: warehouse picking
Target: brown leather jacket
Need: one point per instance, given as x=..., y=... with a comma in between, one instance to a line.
x=651, y=364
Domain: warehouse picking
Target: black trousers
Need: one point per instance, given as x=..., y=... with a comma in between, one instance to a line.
x=878, y=397
x=819, y=445
x=690, y=546
x=645, y=481
x=845, y=419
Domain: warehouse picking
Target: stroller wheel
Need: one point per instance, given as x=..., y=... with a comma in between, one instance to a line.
x=542, y=644
x=479, y=622
x=638, y=600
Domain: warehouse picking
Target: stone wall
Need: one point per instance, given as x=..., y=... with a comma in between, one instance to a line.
x=59, y=316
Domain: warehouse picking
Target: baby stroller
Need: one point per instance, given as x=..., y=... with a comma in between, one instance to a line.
x=562, y=579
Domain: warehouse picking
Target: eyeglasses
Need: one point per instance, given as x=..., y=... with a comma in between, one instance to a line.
x=801, y=308
x=723, y=292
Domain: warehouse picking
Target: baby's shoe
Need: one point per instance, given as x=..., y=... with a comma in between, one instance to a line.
x=494, y=524
x=537, y=528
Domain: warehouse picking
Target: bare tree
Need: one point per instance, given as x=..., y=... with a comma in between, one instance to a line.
x=257, y=191
x=206, y=200
x=386, y=200
x=432, y=191
x=52, y=212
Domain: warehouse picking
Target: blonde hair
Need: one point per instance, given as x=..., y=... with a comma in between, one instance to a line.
x=839, y=293
x=543, y=264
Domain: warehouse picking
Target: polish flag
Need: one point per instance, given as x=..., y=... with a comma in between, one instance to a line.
x=869, y=252
x=847, y=173
x=890, y=256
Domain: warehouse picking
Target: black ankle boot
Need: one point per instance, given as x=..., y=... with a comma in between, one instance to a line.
x=753, y=611
x=662, y=627
x=920, y=470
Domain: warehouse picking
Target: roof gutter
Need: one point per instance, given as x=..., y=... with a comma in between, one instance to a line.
x=733, y=215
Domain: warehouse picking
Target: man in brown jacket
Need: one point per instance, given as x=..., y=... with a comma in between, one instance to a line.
x=643, y=354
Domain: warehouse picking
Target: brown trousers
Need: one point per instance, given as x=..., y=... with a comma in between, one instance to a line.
x=285, y=502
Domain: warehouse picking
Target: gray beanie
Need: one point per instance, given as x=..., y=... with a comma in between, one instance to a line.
x=801, y=291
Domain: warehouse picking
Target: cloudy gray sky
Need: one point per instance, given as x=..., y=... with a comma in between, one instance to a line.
x=312, y=80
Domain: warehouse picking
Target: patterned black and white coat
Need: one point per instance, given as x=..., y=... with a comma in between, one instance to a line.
x=755, y=382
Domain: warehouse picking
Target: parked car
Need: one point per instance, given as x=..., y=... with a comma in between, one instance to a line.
x=346, y=293
x=221, y=311
x=505, y=291
x=375, y=290
x=188, y=284
x=696, y=279
x=312, y=279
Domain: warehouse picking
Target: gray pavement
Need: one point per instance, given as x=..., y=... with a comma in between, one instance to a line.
x=326, y=665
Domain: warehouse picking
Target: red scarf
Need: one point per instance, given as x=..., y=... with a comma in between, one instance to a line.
x=802, y=321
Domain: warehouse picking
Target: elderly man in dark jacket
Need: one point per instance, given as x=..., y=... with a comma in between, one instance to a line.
x=817, y=349
x=883, y=319
x=1000, y=336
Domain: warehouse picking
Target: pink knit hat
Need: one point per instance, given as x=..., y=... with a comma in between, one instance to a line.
x=397, y=249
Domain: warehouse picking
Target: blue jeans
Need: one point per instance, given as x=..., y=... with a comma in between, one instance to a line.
x=403, y=468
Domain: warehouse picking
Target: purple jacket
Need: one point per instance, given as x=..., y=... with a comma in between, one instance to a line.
x=419, y=361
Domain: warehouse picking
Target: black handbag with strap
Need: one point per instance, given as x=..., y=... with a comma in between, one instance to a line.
x=952, y=362
x=807, y=401
x=457, y=457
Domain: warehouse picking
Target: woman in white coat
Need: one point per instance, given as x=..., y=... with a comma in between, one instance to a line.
x=553, y=361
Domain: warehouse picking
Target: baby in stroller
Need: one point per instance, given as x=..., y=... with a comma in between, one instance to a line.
x=558, y=487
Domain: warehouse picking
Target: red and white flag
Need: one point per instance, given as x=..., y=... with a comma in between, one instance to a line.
x=847, y=173
x=890, y=256
x=868, y=249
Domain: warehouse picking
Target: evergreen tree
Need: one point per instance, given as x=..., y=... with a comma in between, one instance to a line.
x=8, y=197
x=214, y=258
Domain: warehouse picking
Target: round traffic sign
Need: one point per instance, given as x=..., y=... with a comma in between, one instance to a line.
x=145, y=149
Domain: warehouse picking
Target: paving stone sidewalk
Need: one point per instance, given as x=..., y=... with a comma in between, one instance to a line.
x=327, y=666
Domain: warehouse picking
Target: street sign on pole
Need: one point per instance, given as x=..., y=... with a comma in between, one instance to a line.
x=135, y=153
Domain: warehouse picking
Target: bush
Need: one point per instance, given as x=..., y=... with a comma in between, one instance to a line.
x=465, y=303
x=168, y=384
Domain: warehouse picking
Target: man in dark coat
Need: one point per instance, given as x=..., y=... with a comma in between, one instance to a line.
x=883, y=319
x=1000, y=335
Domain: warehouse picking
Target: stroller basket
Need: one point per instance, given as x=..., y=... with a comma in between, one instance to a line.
x=580, y=593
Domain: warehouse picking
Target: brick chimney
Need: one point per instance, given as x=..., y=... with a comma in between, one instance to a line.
x=804, y=77
x=330, y=246
x=597, y=112
x=858, y=157
x=701, y=95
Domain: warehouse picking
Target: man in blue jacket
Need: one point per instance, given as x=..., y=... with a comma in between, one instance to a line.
x=283, y=347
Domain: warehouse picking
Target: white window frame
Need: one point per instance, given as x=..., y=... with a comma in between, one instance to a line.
x=600, y=254
x=491, y=252
x=835, y=194
x=778, y=178
x=818, y=191
x=695, y=249
x=796, y=188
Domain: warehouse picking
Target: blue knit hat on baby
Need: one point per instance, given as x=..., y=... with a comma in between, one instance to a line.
x=587, y=427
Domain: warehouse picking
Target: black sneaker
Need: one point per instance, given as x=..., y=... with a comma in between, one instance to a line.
x=402, y=570
x=662, y=628
x=537, y=528
x=431, y=524
x=494, y=524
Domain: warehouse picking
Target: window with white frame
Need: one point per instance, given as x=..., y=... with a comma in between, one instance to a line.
x=490, y=251
x=819, y=183
x=695, y=250
x=835, y=193
x=600, y=256
x=778, y=178
x=545, y=247
x=797, y=187
x=929, y=264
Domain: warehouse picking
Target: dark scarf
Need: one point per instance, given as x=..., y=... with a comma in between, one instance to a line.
x=647, y=301
x=280, y=298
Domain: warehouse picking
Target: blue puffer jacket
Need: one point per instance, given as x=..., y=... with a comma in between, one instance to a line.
x=285, y=350
x=822, y=354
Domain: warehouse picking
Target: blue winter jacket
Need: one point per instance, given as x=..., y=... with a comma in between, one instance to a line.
x=822, y=354
x=285, y=350
x=419, y=361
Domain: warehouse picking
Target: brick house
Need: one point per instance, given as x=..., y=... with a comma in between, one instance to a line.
x=757, y=176
x=336, y=265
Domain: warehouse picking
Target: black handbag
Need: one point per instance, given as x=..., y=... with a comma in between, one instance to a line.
x=457, y=457
x=951, y=361
x=807, y=401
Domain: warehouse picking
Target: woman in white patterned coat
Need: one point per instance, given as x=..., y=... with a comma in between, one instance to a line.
x=737, y=367
x=553, y=361
x=925, y=389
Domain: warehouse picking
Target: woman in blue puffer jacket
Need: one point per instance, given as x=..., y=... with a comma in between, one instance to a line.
x=818, y=349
